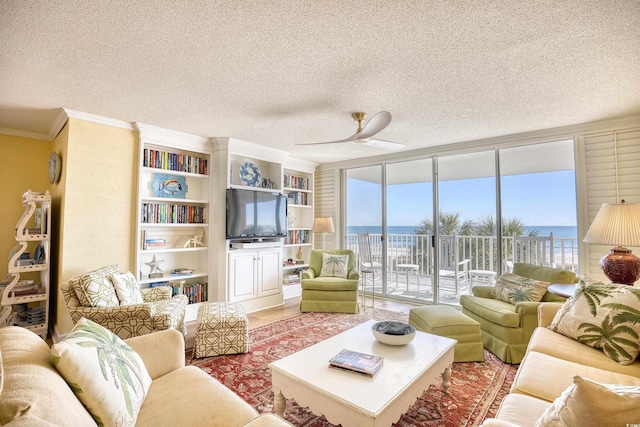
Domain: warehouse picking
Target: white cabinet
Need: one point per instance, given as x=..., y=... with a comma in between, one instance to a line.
x=254, y=274
x=24, y=295
x=174, y=213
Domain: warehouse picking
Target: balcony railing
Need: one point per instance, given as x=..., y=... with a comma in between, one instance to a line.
x=549, y=251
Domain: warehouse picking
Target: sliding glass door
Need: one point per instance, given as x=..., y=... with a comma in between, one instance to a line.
x=438, y=226
x=467, y=249
x=364, y=201
x=409, y=208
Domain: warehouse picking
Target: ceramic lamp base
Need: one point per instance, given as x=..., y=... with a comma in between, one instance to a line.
x=621, y=266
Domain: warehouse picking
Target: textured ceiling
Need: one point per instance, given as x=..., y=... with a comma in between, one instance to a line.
x=280, y=72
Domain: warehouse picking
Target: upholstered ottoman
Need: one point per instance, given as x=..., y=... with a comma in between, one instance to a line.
x=448, y=322
x=221, y=328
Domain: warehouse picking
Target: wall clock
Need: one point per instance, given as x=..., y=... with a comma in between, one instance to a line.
x=54, y=167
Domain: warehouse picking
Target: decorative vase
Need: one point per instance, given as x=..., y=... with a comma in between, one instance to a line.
x=299, y=254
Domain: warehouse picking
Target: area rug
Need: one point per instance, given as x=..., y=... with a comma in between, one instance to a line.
x=477, y=388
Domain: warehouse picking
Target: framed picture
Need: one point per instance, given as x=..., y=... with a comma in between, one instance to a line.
x=169, y=186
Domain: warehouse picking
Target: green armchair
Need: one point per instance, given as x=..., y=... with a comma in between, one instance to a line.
x=329, y=294
x=507, y=328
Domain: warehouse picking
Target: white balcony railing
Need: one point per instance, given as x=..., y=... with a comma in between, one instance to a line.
x=561, y=252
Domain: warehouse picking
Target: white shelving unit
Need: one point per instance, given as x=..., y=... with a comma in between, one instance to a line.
x=174, y=215
x=298, y=186
x=24, y=299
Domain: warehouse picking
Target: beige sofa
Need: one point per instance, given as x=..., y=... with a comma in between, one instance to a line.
x=548, y=368
x=32, y=393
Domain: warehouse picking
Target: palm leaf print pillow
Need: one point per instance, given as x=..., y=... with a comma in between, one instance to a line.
x=513, y=289
x=605, y=317
x=334, y=265
x=104, y=372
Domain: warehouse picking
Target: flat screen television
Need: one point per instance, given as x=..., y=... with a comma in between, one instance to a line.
x=255, y=214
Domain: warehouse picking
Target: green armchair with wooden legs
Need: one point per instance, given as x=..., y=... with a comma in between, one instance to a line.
x=330, y=284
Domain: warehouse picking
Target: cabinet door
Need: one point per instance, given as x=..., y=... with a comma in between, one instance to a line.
x=242, y=275
x=270, y=266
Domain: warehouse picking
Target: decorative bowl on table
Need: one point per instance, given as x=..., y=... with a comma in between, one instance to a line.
x=393, y=333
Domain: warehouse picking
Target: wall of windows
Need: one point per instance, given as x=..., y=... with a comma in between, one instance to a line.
x=442, y=224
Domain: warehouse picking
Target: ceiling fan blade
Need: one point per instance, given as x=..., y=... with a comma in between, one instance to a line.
x=385, y=145
x=375, y=124
x=351, y=138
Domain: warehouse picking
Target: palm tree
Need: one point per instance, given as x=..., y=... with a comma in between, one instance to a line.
x=449, y=225
x=486, y=226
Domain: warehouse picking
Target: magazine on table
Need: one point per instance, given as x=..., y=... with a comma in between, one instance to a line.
x=355, y=361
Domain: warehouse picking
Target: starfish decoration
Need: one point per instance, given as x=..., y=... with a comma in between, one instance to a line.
x=155, y=265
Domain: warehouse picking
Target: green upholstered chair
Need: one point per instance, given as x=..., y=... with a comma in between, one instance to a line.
x=507, y=328
x=329, y=294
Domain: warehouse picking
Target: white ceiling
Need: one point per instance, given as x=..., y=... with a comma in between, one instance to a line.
x=280, y=72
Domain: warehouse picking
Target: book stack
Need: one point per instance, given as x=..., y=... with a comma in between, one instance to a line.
x=155, y=244
x=181, y=271
x=295, y=237
x=291, y=279
x=174, y=162
x=292, y=181
x=196, y=292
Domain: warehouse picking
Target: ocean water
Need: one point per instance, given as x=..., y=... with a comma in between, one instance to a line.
x=569, y=231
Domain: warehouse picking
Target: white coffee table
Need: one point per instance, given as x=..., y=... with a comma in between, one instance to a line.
x=355, y=400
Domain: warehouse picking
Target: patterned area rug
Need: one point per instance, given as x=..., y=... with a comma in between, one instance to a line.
x=477, y=388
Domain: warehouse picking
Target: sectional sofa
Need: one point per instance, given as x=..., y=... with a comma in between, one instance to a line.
x=552, y=369
x=33, y=393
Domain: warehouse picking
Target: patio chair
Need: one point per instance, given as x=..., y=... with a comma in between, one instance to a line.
x=367, y=264
x=451, y=267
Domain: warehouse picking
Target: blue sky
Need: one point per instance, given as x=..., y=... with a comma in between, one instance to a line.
x=546, y=198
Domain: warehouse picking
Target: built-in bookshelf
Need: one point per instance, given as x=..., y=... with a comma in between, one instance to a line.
x=297, y=182
x=174, y=207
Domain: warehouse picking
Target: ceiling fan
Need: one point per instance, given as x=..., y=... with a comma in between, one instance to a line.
x=365, y=133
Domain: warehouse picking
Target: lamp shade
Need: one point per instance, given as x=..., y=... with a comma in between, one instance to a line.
x=323, y=224
x=616, y=224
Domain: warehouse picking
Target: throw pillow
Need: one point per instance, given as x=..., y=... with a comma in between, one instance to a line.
x=94, y=289
x=107, y=375
x=513, y=289
x=127, y=288
x=603, y=316
x=334, y=265
x=587, y=403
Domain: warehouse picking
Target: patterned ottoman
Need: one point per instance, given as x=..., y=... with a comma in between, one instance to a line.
x=448, y=322
x=221, y=328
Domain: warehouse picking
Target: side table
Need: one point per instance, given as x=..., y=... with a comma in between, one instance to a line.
x=566, y=291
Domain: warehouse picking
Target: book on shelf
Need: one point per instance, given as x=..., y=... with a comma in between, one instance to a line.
x=291, y=279
x=362, y=363
x=182, y=271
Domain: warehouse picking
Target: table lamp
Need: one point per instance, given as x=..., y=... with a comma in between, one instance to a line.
x=324, y=225
x=617, y=224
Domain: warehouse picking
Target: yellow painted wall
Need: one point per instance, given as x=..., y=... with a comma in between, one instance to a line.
x=24, y=166
x=96, y=196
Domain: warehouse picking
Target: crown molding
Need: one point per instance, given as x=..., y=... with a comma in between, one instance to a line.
x=172, y=138
x=94, y=118
x=24, y=134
